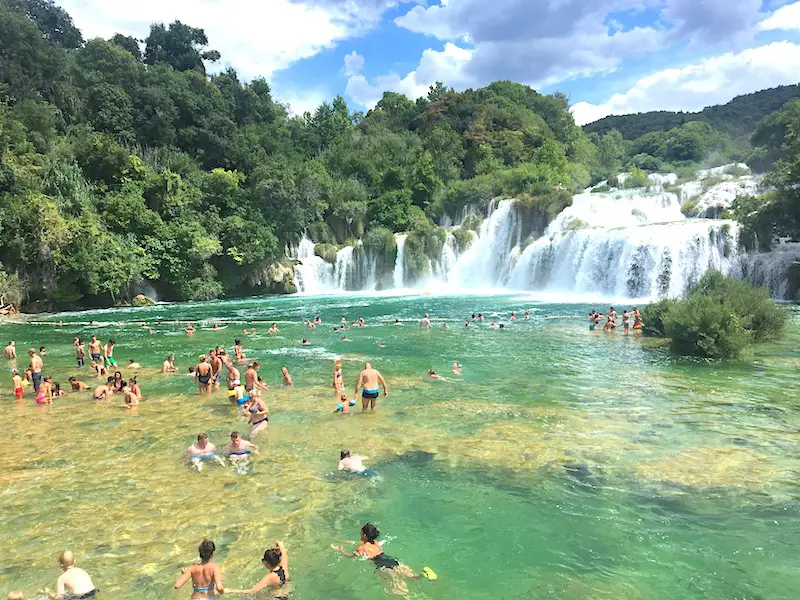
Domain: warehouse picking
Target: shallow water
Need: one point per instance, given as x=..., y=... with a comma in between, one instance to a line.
x=562, y=464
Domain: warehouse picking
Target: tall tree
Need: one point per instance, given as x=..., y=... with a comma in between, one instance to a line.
x=180, y=46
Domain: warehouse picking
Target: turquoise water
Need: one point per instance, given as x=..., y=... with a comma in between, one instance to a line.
x=561, y=464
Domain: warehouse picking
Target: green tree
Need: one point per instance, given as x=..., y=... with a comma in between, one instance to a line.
x=180, y=46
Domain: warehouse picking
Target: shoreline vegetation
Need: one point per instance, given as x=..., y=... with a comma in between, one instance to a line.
x=127, y=169
x=721, y=317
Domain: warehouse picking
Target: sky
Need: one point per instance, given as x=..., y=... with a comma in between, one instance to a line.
x=608, y=56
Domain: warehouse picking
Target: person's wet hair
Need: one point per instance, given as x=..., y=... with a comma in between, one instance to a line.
x=344, y=454
x=370, y=532
x=207, y=549
x=71, y=379
x=109, y=380
x=235, y=435
x=272, y=557
x=202, y=436
x=237, y=342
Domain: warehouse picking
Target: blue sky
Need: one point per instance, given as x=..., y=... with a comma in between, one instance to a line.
x=609, y=56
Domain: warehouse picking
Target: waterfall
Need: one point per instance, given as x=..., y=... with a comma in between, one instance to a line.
x=343, y=267
x=312, y=274
x=633, y=243
x=647, y=261
x=488, y=257
x=449, y=256
x=400, y=261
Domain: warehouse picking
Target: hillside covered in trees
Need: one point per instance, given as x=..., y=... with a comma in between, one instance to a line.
x=124, y=164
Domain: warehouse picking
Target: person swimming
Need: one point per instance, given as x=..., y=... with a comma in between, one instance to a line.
x=353, y=463
x=206, y=577
x=387, y=567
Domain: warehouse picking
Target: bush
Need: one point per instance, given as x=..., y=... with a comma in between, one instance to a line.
x=719, y=318
x=653, y=315
x=464, y=238
x=326, y=252
x=379, y=239
x=473, y=222
x=636, y=179
x=601, y=189
x=736, y=170
x=423, y=245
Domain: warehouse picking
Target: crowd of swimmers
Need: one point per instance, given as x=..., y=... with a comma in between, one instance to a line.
x=610, y=325
x=245, y=392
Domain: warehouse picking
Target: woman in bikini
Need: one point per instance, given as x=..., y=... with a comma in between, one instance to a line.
x=257, y=412
x=276, y=560
x=206, y=577
x=45, y=393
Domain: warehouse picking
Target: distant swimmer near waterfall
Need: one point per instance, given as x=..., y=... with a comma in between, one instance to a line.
x=206, y=576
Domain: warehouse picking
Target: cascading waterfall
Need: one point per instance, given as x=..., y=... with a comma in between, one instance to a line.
x=489, y=257
x=312, y=274
x=623, y=243
x=400, y=262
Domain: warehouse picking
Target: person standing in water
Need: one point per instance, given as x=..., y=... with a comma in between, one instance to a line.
x=276, y=560
x=287, y=379
x=216, y=368
x=10, y=351
x=206, y=576
x=36, y=366
x=202, y=373
x=338, y=379
x=17, y=383
x=637, y=321
x=74, y=583
x=257, y=412
x=251, y=377
x=368, y=380
x=95, y=348
x=425, y=323
x=80, y=352
x=626, y=322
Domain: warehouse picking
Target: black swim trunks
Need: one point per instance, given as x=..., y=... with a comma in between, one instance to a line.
x=383, y=561
x=370, y=394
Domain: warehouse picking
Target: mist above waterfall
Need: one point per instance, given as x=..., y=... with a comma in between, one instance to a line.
x=623, y=243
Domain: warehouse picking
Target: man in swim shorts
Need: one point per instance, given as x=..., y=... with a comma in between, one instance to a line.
x=216, y=368
x=95, y=348
x=36, y=369
x=10, y=351
x=239, y=449
x=368, y=380
x=251, y=377
x=108, y=354
x=74, y=583
x=203, y=450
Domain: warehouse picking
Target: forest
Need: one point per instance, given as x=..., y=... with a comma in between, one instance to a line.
x=129, y=165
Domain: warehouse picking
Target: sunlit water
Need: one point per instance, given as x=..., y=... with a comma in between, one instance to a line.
x=562, y=464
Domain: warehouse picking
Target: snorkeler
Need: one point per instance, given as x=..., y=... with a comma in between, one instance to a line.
x=368, y=380
x=387, y=567
x=276, y=560
x=203, y=450
x=74, y=583
x=206, y=577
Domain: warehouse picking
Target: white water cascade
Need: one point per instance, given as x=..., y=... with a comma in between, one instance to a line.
x=398, y=276
x=312, y=274
x=633, y=243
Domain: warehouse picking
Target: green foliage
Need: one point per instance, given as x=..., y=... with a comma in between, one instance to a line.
x=326, y=252
x=720, y=318
x=636, y=179
x=464, y=238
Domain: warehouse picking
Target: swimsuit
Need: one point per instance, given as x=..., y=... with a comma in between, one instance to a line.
x=84, y=596
x=204, y=379
x=264, y=420
x=95, y=356
x=369, y=394
x=239, y=453
x=80, y=361
x=204, y=590
x=204, y=456
x=383, y=561
x=37, y=380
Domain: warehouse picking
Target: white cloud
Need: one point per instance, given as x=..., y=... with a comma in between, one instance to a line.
x=714, y=80
x=257, y=37
x=785, y=18
x=434, y=66
x=353, y=63
x=301, y=101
